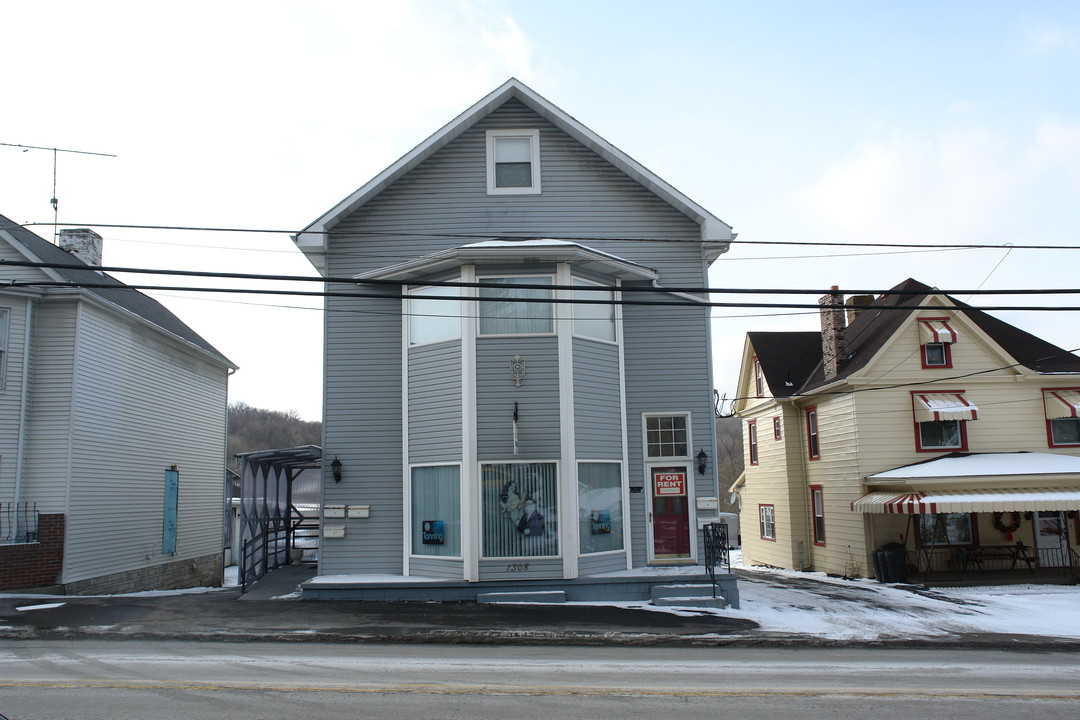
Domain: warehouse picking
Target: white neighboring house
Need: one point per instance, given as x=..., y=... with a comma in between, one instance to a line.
x=112, y=428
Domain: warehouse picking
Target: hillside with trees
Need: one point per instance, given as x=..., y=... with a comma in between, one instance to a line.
x=252, y=429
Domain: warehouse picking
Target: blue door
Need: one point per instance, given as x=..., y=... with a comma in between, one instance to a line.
x=172, y=492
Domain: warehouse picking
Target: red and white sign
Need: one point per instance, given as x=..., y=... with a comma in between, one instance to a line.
x=669, y=483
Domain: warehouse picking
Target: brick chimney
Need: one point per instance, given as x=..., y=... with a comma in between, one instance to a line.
x=855, y=305
x=833, y=343
x=83, y=243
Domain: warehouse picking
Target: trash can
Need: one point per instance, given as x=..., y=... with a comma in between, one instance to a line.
x=894, y=562
x=879, y=565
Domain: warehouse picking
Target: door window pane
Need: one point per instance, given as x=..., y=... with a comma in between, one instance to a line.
x=666, y=436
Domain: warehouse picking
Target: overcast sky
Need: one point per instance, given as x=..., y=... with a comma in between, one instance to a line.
x=914, y=122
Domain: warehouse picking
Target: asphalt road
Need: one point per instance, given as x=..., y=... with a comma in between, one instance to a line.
x=90, y=679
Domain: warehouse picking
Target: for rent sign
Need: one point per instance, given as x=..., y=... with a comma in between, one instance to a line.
x=669, y=482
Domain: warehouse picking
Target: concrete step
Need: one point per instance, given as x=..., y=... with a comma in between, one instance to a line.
x=682, y=590
x=693, y=601
x=540, y=596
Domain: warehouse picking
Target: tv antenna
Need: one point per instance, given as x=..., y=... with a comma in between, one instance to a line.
x=55, y=151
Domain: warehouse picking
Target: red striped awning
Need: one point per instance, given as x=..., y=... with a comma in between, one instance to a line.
x=933, y=407
x=948, y=501
x=1061, y=403
x=937, y=330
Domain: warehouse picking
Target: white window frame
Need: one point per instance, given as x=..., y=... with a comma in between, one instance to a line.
x=593, y=295
x=528, y=279
x=419, y=293
x=645, y=436
x=767, y=521
x=534, y=146
x=5, y=328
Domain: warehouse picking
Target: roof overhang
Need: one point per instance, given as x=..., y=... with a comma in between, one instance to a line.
x=513, y=252
x=717, y=234
x=987, y=469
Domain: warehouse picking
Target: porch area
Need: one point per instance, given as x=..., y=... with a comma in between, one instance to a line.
x=976, y=518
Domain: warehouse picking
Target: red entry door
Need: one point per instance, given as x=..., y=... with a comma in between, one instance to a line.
x=670, y=514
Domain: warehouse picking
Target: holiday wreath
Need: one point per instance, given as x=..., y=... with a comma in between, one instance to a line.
x=1009, y=529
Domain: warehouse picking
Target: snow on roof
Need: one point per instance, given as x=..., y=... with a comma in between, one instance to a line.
x=985, y=465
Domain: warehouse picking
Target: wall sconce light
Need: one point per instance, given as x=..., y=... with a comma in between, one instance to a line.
x=335, y=467
x=701, y=458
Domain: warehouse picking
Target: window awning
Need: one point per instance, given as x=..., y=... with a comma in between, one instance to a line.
x=1061, y=403
x=947, y=501
x=931, y=407
x=937, y=330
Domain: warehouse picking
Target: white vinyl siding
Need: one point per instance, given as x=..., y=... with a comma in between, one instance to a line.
x=141, y=403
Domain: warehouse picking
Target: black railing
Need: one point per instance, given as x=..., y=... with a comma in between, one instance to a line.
x=716, y=550
x=18, y=522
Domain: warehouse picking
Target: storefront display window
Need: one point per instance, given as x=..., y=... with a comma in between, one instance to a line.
x=436, y=511
x=520, y=512
x=600, y=524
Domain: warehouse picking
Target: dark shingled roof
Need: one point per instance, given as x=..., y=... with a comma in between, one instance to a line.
x=872, y=328
x=786, y=358
x=117, y=293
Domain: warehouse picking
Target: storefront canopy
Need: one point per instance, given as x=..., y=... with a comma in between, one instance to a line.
x=948, y=501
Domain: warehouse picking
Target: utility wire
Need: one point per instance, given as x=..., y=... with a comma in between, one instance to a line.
x=550, y=286
x=490, y=234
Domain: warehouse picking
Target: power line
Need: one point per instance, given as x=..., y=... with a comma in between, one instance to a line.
x=490, y=234
x=575, y=288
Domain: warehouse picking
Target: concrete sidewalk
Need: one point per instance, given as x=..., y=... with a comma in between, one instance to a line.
x=227, y=616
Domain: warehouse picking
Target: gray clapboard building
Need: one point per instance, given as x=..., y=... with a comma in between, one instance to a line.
x=512, y=393
x=112, y=428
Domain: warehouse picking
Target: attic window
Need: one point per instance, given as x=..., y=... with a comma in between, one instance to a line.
x=513, y=162
x=937, y=339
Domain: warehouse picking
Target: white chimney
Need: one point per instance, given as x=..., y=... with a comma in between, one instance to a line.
x=83, y=243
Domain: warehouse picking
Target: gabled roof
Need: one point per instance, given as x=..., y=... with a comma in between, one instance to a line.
x=117, y=294
x=875, y=325
x=786, y=358
x=312, y=239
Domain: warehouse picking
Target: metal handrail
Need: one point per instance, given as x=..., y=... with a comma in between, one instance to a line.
x=716, y=550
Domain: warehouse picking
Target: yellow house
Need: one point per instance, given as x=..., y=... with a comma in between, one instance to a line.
x=914, y=437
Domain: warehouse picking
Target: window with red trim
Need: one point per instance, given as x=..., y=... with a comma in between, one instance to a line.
x=1062, y=409
x=767, y=522
x=937, y=339
x=813, y=449
x=817, y=512
x=941, y=418
x=751, y=436
x=937, y=355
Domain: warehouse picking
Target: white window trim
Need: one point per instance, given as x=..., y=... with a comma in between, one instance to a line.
x=539, y=280
x=5, y=332
x=416, y=291
x=616, y=296
x=409, y=519
x=534, y=146
x=666, y=459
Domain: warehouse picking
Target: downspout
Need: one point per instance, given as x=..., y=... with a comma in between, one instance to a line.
x=24, y=412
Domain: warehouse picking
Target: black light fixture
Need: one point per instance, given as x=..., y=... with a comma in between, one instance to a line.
x=335, y=467
x=701, y=458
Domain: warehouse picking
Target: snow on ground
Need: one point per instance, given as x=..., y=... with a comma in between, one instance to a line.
x=789, y=602
x=808, y=603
